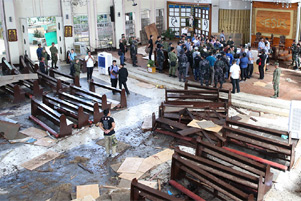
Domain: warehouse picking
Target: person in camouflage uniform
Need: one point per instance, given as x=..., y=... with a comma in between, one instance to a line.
x=295, y=53
x=183, y=60
x=204, y=70
x=173, y=62
x=77, y=67
x=54, y=51
x=160, y=57
x=276, y=80
x=134, y=53
x=294, y=45
x=45, y=55
x=219, y=67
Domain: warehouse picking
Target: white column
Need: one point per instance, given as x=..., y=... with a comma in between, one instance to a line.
x=92, y=20
x=251, y=14
x=4, y=30
x=119, y=20
x=138, y=19
x=67, y=21
x=298, y=23
x=11, y=23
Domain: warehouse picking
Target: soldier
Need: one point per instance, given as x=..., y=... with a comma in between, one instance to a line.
x=45, y=55
x=219, y=67
x=230, y=41
x=124, y=42
x=276, y=80
x=296, y=53
x=183, y=60
x=76, y=67
x=54, y=51
x=134, y=53
x=173, y=62
x=204, y=70
x=294, y=45
x=226, y=65
x=160, y=57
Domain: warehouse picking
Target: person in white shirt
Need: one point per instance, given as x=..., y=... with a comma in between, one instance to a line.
x=89, y=59
x=234, y=75
x=261, y=45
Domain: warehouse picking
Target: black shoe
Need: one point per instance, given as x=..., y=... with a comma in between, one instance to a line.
x=128, y=93
x=174, y=76
x=124, y=64
x=169, y=75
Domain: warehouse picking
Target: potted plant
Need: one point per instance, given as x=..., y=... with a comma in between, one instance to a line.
x=151, y=67
x=169, y=34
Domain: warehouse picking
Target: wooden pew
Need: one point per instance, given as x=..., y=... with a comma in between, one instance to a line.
x=23, y=66
x=123, y=102
x=15, y=91
x=39, y=108
x=50, y=81
x=249, y=166
x=9, y=69
x=92, y=96
x=34, y=67
x=198, y=174
x=75, y=79
x=74, y=111
x=37, y=91
x=88, y=106
x=263, y=143
x=226, y=93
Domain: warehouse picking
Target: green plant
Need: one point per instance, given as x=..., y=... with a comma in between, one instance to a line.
x=37, y=34
x=151, y=63
x=169, y=34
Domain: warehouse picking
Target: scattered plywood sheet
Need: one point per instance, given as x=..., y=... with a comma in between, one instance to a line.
x=145, y=85
x=40, y=160
x=206, y=124
x=9, y=127
x=34, y=132
x=260, y=84
x=45, y=142
x=165, y=155
x=196, y=124
x=149, y=163
x=152, y=184
x=84, y=190
x=216, y=129
x=131, y=176
x=130, y=165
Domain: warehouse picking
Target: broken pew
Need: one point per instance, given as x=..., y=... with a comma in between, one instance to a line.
x=101, y=99
x=53, y=83
x=183, y=168
x=34, y=86
x=88, y=106
x=141, y=192
x=39, y=108
x=123, y=101
x=23, y=66
x=74, y=111
x=8, y=69
x=226, y=97
x=16, y=91
x=249, y=139
x=75, y=79
x=34, y=67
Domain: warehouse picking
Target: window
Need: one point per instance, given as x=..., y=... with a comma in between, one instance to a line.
x=81, y=29
x=129, y=24
x=160, y=19
x=104, y=29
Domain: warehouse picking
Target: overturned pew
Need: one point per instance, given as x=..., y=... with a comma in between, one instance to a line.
x=123, y=102
x=75, y=79
x=259, y=139
x=189, y=167
x=142, y=192
x=100, y=99
x=71, y=110
x=88, y=106
x=40, y=109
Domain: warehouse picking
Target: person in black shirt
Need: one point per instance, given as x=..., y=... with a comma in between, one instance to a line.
x=150, y=46
x=107, y=125
x=123, y=75
x=121, y=51
x=43, y=67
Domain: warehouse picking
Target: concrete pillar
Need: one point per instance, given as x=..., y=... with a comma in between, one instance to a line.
x=138, y=19
x=4, y=29
x=119, y=20
x=214, y=16
x=67, y=21
x=13, y=49
x=92, y=20
x=298, y=23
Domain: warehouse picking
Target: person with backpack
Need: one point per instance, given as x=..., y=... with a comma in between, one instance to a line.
x=113, y=72
x=261, y=62
x=107, y=125
x=196, y=69
x=173, y=62
x=183, y=60
x=204, y=70
x=219, y=69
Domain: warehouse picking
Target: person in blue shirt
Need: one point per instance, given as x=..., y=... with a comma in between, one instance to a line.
x=212, y=61
x=194, y=37
x=72, y=55
x=222, y=36
x=39, y=52
x=113, y=72
x=229, y=56
x=261, y=45
x=244, y=66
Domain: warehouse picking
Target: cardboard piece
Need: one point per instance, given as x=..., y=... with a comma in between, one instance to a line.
x=85, y=190
x=165, y=155
x=147, y=123
x=40, y=160
x=195, y=123
x=130, y=165
x=45, y=142
x=34, y=132
x=151, y=30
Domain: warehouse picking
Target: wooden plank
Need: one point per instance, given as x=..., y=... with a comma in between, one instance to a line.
x=85, y=190
x=130, y=165
x=8, y=79
x=34, y=132
x=189, y=131
x=40, y=160
x=174, y=124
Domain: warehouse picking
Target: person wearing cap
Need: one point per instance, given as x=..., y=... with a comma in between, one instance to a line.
x=89, y=59
x=173, y=61
x=45, y=55
x=219, y=68
x=183, y=60
x=204, y=69
x=276, y=80
x=160, y=57
x=170, y=46
x=76, y=67
x=234, y=75
x=195, y=52
x=113, y=72
x=107, y=125
x=54, y=51
x=230, y=41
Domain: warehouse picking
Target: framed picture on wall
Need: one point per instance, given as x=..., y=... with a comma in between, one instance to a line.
x=12, y=35
x=68, y=31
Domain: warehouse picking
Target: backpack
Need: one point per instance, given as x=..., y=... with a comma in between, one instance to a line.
x=119, y=52
x=258, y=61
x=197, y=60
x=105, y=123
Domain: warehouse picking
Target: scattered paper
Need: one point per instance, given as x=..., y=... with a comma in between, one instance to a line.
x=86, y=190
